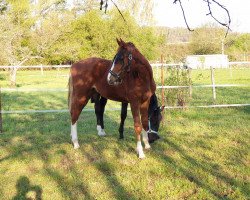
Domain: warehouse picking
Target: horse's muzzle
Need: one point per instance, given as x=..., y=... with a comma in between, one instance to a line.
x=115, y=82
x=114, y=79
x=153, y=137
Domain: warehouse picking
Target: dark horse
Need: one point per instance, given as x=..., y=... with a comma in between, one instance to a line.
x=154, y=116
x=130, y=80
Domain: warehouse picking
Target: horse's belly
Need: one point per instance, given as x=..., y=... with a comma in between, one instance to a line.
x=116, y=99
x=115, y=93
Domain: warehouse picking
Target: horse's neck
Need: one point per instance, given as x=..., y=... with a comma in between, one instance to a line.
x=147, y=69
x=140, y=58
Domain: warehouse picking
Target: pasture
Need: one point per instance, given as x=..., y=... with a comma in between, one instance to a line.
x=202, y=154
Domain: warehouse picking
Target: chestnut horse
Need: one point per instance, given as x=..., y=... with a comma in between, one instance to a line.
x=129, y=80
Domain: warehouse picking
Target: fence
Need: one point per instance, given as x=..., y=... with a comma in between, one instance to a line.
x=12, y=70
x=160, y=73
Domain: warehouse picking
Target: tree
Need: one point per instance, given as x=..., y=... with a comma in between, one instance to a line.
x=15, y=23
x=237, y=46
x=206, y=40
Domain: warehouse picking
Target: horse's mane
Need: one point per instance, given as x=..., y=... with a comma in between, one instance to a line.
x=142, y=60
x=153, y=104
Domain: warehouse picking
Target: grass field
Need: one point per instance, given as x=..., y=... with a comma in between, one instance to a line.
x=202, y=154
x=54, y=79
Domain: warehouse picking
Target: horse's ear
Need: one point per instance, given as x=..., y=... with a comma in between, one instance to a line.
x=118, y=41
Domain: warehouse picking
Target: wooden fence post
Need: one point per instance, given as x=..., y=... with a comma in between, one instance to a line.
x=190, y=82
x=213, y=83
x=13, y=71
x=58, y=70
x=1, y=119
x=41, y=69
x=230, y=69
x=162, y=89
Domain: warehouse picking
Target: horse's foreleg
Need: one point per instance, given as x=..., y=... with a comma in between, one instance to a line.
x=144, y=120
x=123, y=117
x=135, y=108
x=74, y=135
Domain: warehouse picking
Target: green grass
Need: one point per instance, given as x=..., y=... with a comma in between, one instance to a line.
x=59, y=79
x=202, y=154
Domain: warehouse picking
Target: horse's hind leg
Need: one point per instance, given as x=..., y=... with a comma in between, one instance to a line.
x=123, y=117
x=99, y=111
x=76, y=107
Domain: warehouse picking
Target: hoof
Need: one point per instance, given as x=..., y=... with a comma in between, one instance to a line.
x=147, y=146
x=140, y=153
x=101, y=133
x=76, y=144
x=142, y=156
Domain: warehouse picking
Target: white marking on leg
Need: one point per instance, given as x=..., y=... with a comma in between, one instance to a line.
x=139, y=150
x=74, y=135
x=100, y=131
x=145, y=139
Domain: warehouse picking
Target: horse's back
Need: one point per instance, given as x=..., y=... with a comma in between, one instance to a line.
x=87, y=64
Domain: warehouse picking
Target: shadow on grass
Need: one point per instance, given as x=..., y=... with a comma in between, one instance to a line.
x=23, y=187
x=191, y=168
x=36, y=135
x=34, y=100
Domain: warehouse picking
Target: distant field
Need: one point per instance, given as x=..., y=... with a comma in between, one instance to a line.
x=202, y=154
x=58, y=79
x=53, y=79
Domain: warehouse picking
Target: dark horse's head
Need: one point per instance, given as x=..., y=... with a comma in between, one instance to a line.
x=121, y=62
x=154, y=119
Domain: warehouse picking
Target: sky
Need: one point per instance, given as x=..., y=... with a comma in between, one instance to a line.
x=168, y=14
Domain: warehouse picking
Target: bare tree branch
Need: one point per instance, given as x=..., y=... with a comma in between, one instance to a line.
x=209, y=2
x=119, y=10
x=227, y=25
x=183, y=13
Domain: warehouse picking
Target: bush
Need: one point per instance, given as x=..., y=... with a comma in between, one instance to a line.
x=177, y=77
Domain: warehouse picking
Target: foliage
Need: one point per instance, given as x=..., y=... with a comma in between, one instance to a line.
x=237, y=45
x=93, y=34
x=206, y=40
x=79, y=33
x=177, y=77
x=54, y=33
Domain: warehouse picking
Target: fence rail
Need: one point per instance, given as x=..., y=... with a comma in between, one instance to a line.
x=116, y=109
x=36, y=67
x=158, y=87
x=152, y=64
x=157, y=66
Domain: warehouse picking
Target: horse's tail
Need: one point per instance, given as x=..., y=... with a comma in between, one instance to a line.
x=70, y=91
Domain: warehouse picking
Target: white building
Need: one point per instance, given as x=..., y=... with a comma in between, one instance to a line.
x=207, y=61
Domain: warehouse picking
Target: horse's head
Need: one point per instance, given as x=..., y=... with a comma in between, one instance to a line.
x=121, y=62
x=155, y=117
